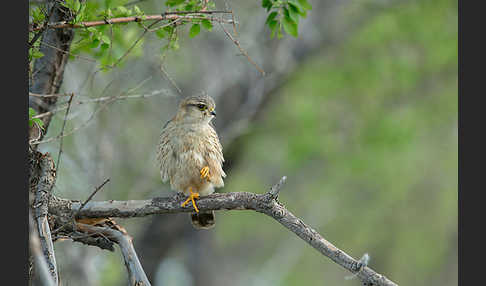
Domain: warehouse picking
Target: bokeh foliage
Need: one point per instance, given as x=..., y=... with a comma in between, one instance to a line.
x=366, y=132
x=367, y=135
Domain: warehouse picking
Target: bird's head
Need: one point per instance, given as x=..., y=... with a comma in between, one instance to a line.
x=197, y=109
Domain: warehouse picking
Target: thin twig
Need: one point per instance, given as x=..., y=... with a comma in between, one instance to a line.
x=76, y=128
x=237, y=43
x=68, y=53
x=42, y=29
x=101, y=99
x=107, y=101
x=135, y=43
x=92, y=194
x=73, y=217
x=187, y=15
x=49, y=95
x=62, y=131
x=170, y=79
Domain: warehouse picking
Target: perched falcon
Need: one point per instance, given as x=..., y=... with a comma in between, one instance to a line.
x=190, y=155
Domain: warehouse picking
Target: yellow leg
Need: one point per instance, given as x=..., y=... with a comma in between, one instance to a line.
x=205, y=173
x=192, y=196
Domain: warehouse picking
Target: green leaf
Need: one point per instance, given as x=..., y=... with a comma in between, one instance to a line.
x=195, y=29
x=76, y=5
x=37, y=54
x=104, y=46
x=172, y=3
x=190, y=7
x=267, y=4
x=279, y=31
x=160, y=33
x=95, y=43
x=294, y=12
x=207, y=25
x=305, y=5
x=31, y=112
x=39, y=122
x=270, y=17
x=137, y=10
x=169, y=29
x=290, y=26
x=274, y=26
x=105, y=39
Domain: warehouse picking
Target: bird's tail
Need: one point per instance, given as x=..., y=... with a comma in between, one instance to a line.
x=203, y=219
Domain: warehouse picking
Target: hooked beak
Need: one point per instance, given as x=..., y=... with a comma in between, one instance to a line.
x=213, y=113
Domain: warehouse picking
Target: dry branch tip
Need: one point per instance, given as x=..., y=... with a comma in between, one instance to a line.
x=275, y=189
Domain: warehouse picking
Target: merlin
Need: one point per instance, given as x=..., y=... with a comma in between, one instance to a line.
x=190, y=155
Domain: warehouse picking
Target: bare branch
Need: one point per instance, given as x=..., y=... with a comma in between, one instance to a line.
x=46, y=180
x=35, y=249
x=263, y=203
x=48, y=71
x=63, y=106
x=186, y=15
x=237, y=43
x=94, y=193
x=276, y=188
x=62, y=130
x=136, y=273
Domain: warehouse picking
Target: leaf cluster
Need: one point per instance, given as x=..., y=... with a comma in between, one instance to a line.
x=32, y=113
x=285, y=14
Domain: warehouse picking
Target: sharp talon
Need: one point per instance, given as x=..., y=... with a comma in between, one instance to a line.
x=205, y=173
x=192, y=196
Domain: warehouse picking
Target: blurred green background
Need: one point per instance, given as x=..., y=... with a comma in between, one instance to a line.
x=365, y=129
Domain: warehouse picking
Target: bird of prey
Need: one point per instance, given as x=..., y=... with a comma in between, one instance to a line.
x=190, y=155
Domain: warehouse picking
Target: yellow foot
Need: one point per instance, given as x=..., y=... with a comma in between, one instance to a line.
x=205, y=173
x=191, y=198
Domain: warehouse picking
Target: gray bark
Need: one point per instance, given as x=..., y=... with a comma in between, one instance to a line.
x=48, y=71
x=266, y=203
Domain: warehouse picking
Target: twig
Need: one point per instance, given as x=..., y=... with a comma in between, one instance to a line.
x=169, y=78
x=76, y=128
x=275, y=189
x=92, y=195
x=72, y=221
x=237, y=43
x=101, y=99
x=263, y=203
x=48, y=95
x=108, y=100
x=62, y=131
x=136, y=273
x=68, y=53
x=134, y=44
x=41, y=30
x=188, y=15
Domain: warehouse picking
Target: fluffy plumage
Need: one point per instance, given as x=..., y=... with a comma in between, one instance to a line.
x=189, y=143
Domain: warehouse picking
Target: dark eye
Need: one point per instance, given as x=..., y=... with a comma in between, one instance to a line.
x=201, y=106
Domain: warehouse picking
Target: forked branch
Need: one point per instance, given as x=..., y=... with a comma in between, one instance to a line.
x=266, y=203
x=136, y=274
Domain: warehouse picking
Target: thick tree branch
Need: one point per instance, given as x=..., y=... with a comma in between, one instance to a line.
x=35, y=249
x=48, y=71
x=41, y=191
x=264, y=203
x=136, y=274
